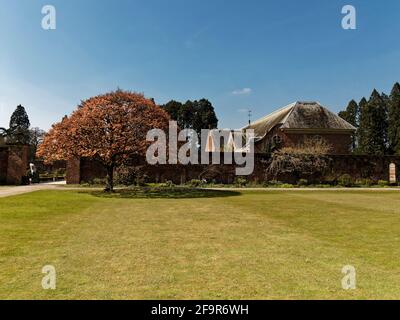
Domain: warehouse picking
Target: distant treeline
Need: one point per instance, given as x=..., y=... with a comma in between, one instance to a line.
x=377, y=121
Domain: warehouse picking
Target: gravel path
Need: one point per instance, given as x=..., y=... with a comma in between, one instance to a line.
x=13, y=191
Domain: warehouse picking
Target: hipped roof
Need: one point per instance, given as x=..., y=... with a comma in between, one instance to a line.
x=300, y=116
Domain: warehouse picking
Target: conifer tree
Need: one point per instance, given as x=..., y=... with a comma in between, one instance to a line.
x=394, y=120
x=19, y=126
x=363, y=126
x=373, y=126
x=351, y=115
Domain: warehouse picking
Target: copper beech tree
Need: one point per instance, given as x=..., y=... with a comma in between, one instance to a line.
x=109, y=128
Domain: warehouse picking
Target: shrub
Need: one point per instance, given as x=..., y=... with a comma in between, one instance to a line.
x=128, y=176
x=364, y=182
x=241, y=182
x=383, y=183
x=59, y=173
x=345, y=180
x=309, y=158
x=275, y=183
x=125, y=176
x=195, y=183
x=98, y=181
x=169, y=184
x=286, y=185
x=302, y=182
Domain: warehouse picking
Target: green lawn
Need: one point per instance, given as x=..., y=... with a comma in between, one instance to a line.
x=247, y=245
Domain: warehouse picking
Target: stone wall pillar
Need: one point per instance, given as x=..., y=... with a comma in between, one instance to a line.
x=74, y=171
x=3, y=164
x=17, y=164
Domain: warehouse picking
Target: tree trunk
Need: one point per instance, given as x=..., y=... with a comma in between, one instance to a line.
x=110, y=179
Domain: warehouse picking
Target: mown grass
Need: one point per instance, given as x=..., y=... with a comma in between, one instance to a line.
x=247, y=245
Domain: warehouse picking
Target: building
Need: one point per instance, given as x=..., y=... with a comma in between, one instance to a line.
x=291, y=125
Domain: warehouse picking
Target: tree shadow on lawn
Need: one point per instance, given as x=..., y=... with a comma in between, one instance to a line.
x=165, y=193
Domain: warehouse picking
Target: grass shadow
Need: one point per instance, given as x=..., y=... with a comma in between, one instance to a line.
x=164, y=193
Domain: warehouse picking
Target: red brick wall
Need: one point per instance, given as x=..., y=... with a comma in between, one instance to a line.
x=13, y=164
x=359, y=167
x=341, y=142
x=3, y=164
x=73, y=175
x=17, y=164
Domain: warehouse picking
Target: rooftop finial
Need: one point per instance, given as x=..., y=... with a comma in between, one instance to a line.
x=250, y=114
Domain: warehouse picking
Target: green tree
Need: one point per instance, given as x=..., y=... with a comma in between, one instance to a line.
x=362, y=125
x=36, y=136
x=351, y=115
x=394, y=120
x=174, y=109
x=19, y=126
x=205, y=117
x=372, y=133
x=196, y=115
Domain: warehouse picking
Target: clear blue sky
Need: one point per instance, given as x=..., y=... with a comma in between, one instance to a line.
x=281, y=51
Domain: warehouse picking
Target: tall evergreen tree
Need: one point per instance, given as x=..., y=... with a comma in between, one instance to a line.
x=394, y=120
x=373, y=126
x=362, y=126
x=351, y=114
x=19, y=126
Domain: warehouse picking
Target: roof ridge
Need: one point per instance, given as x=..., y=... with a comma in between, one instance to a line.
x=295, y=105
x=290, y=105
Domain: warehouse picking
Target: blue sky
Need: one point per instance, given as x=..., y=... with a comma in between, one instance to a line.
x=239, y=54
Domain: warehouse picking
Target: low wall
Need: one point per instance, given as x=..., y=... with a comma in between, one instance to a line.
x=357, y=166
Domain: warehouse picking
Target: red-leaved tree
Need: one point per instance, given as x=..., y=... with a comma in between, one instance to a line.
x=109, y=128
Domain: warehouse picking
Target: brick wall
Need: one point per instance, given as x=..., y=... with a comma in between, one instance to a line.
x=73, y=171
x=341, y=143
x=3, y=164
x=13, y=164
x=359, y=167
